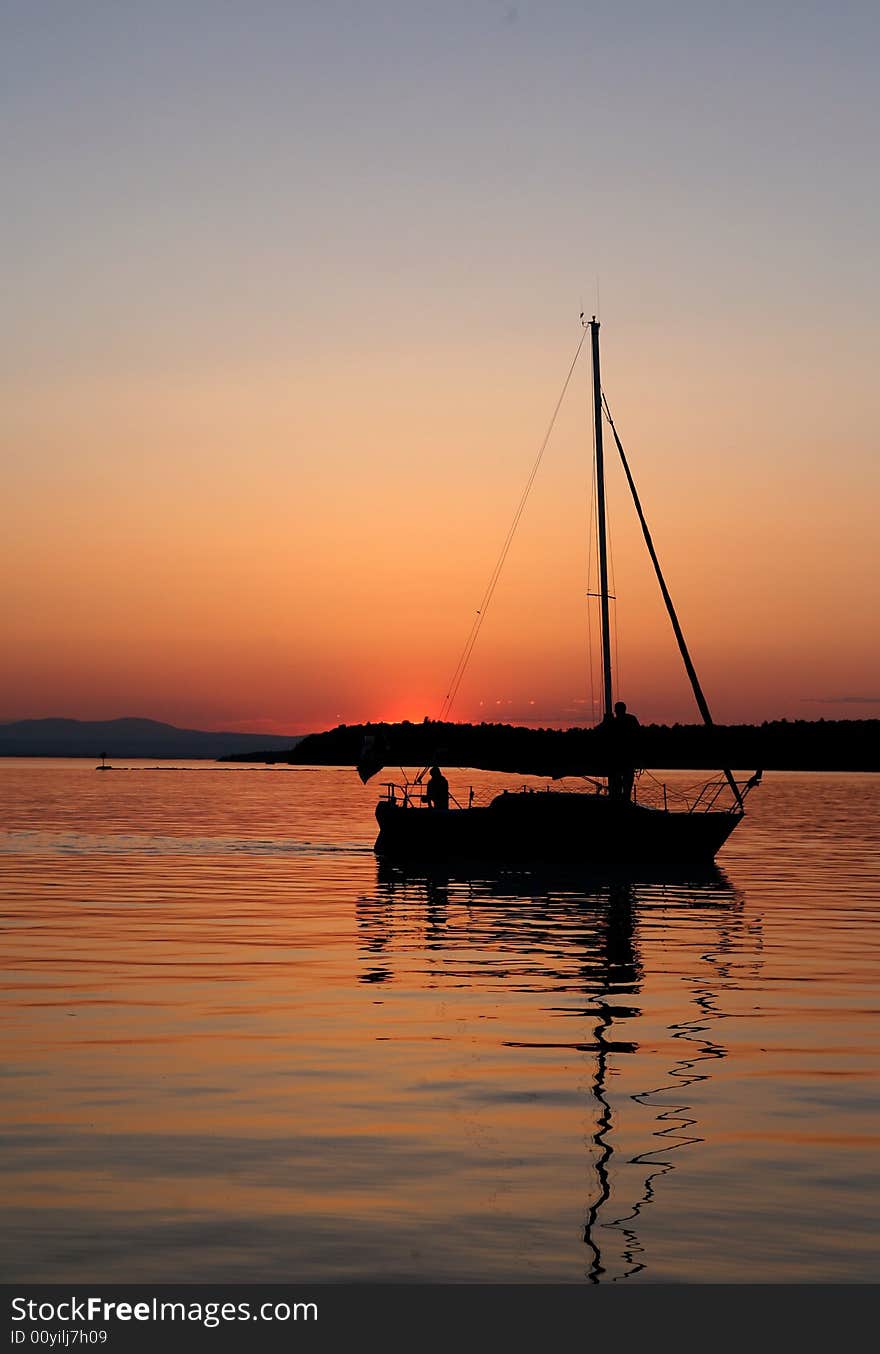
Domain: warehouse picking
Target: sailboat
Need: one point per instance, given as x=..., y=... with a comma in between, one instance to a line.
x=604, y=824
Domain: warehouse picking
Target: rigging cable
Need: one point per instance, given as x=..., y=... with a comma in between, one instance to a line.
x=613, y=598
x=702, y=703
x=458, y=674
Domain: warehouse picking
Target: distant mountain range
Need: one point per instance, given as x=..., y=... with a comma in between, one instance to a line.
x=130, y=738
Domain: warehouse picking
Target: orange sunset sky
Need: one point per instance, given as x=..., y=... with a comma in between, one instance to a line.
x=290, y=294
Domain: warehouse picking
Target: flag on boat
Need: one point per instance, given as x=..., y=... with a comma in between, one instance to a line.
x=372, y=756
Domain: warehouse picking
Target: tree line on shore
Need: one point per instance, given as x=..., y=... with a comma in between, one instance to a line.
x=775, y=745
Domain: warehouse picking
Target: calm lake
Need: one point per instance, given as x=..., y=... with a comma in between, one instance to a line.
x=236, y=1048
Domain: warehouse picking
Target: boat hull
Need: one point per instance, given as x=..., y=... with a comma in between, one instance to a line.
x=552, y=826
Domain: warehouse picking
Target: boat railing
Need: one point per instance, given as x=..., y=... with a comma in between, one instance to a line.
x=709, y=795
x=414, y=795
x=703, y=797
x=650, y=792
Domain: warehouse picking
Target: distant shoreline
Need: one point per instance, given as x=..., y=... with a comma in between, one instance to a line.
x=778, y=745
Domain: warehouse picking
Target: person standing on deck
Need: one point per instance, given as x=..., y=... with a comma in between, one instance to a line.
x=438, y=789
x=624, y=730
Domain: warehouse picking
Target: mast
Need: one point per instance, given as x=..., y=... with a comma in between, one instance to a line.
x=600, y=516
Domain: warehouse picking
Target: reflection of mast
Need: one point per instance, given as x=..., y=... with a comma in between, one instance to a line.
x=619, y=974
x=678, y=1122
x=601, y=1141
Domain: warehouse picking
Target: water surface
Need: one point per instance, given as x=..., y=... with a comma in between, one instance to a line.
x=236, y=1048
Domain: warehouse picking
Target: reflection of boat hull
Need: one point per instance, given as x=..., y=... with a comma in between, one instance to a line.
x=534, y=879
x=552, y=826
